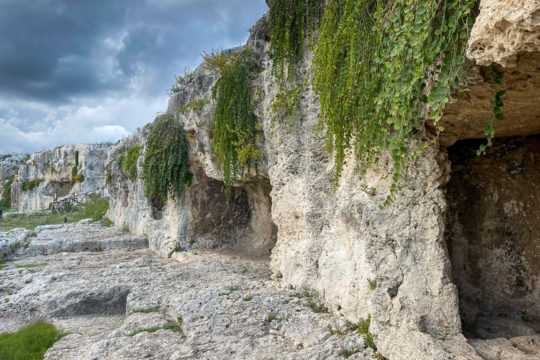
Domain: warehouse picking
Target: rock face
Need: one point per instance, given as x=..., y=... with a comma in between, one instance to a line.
x=55, y=170
x=458, y=245
x=503, y=31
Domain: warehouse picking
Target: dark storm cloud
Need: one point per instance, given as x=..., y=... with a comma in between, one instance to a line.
x=53, y=50
x=94, y=70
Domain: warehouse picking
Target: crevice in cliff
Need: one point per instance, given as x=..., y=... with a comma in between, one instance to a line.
x=492, y=234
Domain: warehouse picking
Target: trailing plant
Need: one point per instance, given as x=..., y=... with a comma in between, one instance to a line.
x=291, y=22
x=129, y=163
x=377, y=68
x=165, y=167
x=5, y=202
x=236, y=130
x=286, y=104
x=497, y=103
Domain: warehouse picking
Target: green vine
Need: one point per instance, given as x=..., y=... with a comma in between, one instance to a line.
x=236, y=130
x=5, y=202
x=291, y=22
x=497, y=103
x=129, y=161
x=381, y=69
x=165, y=167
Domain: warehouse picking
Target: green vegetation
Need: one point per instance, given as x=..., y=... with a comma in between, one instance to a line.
x=311, y=301
x=271, y=317
x=180, y=81
x=165, y=167
x=129, y=161
x=363, y=326
x=195, y=106
x=30, y=342
x=3, y=266
x=95, y=208
x=30, y=266
x=149, y=310
x=236, y=130
x=372, y=284
x=173, y=326
x=5, y=201
x=231, y=290
x=369, y=341
x=348, y=352
x=176, y=249
x=248, y=298
x=125, y=229
x=75, y=176
x=30, y=185
x=291, y=22
x=497, y=103
x=378, y=64
x=148, y=330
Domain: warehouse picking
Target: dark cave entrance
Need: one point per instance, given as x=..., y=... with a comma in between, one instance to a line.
x=493, y=236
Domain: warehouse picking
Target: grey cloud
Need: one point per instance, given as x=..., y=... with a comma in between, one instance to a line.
x=60, y=57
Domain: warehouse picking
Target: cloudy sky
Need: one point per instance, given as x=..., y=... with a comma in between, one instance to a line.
x=87, y=71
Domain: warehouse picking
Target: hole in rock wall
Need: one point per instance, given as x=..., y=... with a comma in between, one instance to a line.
x=493, y=236
x=243, y=223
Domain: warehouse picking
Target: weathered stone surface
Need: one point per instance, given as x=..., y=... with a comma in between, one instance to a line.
x=9, y=165
x=468, y=115
x=503, y=30
x=13, y=241
x=221, y=302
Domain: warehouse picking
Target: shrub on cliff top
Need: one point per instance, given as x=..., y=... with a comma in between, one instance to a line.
x=165, y=165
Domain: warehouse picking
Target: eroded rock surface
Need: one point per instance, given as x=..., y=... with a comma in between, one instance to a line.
x=201, y=305
x=503, y=30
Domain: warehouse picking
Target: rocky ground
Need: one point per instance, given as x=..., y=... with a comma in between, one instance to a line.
x=117, y=300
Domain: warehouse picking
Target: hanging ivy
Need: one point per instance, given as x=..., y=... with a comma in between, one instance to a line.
x=497, y=103
x=377, y=68
x=236, y=130
x=165, y=167
x=291, y=22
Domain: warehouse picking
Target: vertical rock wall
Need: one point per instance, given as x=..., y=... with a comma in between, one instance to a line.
x=54, y=169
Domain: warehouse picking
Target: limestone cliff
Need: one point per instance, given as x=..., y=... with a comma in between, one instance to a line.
x=452, y=255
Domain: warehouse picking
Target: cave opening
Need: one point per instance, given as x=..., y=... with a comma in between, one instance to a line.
x=241, y=223
x=493, y=236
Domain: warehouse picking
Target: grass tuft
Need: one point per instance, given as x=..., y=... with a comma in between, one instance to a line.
x=30, y=342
